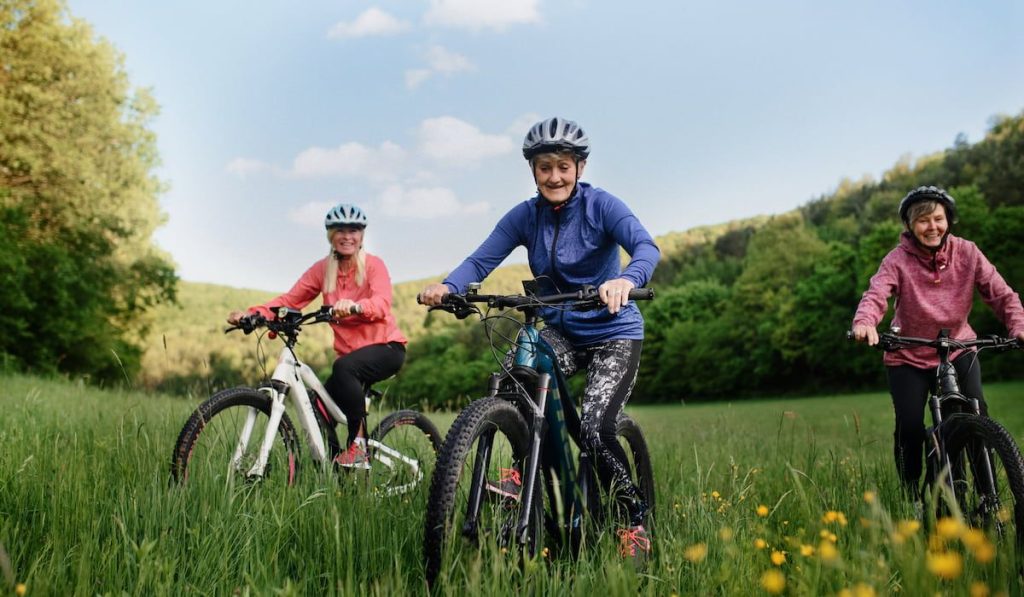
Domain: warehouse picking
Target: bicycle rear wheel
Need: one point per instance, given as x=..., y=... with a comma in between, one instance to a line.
x=640, y=470
x=220, y=442
x=403, y=449
x=987, y=475
x=469, y=514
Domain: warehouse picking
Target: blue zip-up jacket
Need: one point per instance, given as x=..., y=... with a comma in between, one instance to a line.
x=571, y=245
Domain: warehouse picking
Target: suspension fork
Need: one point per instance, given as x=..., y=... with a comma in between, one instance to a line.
x=531, y=481
x=277, y=398
x=476, y=491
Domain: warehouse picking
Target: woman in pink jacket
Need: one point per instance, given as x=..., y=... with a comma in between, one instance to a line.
x=933, y=275
x=368, y=343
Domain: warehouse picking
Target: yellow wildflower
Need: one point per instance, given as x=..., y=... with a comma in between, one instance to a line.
x=949, y=528
x=716, y=495
x=945, y=564
x=979, y=589
x=869, y=497
x=760, y=543
x=806, y=550
x=830, y=516
x=778, y=558
x=773, y=581
x=762, y=510
x=828, y=552
x=20, y=589
x=861, y=590
x=907, y=527
x=984, y=552
x=696, y=553
x=725, y=534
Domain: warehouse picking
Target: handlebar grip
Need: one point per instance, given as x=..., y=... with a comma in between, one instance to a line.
x=355, y=309
x=641, y=294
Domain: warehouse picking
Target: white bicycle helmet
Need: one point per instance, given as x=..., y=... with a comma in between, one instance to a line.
x=345, y=214
x=556, y=134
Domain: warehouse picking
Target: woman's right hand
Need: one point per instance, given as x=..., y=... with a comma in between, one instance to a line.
x=433, y=294
x=235, y=316
x=865, y=333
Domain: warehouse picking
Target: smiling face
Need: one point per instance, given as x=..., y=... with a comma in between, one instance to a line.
x=556, y=175
x=929, y=228
x=347, y=240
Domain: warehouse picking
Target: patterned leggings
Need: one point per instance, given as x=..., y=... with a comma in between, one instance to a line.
x=611, y=372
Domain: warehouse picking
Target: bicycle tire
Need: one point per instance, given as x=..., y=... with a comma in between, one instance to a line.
x=641, y=471
x=403, y=449
x=999, y=509
x=485, y=421
x=213, y=429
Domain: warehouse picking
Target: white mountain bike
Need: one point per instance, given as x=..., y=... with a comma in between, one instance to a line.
x=246, y=434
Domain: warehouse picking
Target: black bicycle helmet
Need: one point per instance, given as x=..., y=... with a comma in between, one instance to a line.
x=556, y=134
x=928, y=193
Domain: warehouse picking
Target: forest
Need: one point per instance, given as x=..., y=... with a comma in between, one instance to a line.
x=745, y=308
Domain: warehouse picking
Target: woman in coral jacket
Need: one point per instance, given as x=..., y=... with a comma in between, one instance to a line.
x=369, y=345
x=933, y=275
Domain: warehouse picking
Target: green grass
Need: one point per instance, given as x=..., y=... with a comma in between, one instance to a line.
x=85, y=508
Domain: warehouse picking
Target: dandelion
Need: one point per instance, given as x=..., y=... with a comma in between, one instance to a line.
x=984, y=552
x=716, y=495
x=762, y=510
x=773, y=581
x=979, y=589
x=946, y=565
x=544, y=552
x=760, y=543
x=725, y=534
x=949, y=528
x=858, y=590
x=830, y=516
x=20, y=589
x=696, y=553
x=869, y=497
x=827, y=552
x=778, y=558
x=806, y=550
x=907, y=527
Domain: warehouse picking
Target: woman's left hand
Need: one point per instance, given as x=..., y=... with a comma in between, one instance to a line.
x=343, y=308
x=1020, y=336
x=615, y=293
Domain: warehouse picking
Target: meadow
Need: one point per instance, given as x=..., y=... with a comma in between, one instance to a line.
x=794, y=496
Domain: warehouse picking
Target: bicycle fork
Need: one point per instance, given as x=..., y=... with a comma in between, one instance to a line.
x=276, y=411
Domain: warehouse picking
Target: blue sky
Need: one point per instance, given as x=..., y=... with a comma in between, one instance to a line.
x=699, y=113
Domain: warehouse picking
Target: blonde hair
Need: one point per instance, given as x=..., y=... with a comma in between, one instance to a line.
x=331, y=269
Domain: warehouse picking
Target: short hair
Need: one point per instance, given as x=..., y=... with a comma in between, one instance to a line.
x=923, y=208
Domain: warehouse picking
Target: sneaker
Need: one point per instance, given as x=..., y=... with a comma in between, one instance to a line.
x=354, y=457
x=634, y=543
x=509, y=485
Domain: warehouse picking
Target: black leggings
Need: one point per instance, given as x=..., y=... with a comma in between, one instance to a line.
x=360, y=368
x=611, y=372
x=910, y=387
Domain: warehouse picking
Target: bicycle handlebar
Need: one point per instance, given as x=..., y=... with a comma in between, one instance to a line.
x=890, y=342
x=287, y=320
x=585, y=299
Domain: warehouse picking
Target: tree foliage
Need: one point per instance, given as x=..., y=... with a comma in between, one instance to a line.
x=78, y=198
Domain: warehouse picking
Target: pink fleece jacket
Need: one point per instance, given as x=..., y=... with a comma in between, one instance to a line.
x=375, y=325
x=935, y=291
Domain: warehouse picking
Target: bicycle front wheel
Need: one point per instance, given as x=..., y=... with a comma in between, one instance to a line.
x=403, y=450
x=473, y=508
x=987, y=475
x=220, y=443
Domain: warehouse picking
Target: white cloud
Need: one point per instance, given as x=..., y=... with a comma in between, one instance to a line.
x=350, y=160
x=310, y=215
x=439, y=61
x=453, y=141
x=415, y=77
x=425, y=203
x=372, y=21
x=481, y=14
x=243, y=167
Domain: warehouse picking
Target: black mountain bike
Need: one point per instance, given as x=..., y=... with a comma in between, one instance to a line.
x=973, y=464
x=523, y=430
x=245, y=434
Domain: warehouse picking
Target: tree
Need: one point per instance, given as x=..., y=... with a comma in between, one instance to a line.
x=78, y=197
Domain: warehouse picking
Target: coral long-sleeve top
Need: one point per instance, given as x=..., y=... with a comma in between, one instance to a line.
x=375, y=325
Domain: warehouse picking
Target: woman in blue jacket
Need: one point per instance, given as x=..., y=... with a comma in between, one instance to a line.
x=573, y=232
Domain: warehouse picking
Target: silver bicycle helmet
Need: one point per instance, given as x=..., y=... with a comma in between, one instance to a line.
x=928, y=193
x=345, y=214
x=556, y=134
